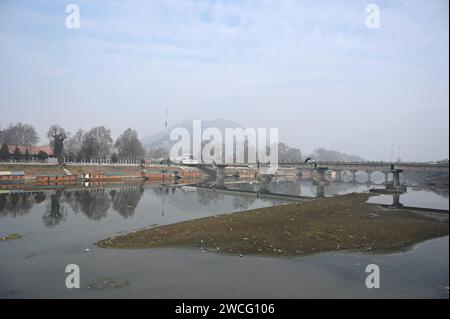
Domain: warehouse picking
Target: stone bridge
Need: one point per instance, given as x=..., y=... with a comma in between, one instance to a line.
x=320, y=168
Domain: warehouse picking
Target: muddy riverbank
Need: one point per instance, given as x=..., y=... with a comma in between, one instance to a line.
x=337, y=223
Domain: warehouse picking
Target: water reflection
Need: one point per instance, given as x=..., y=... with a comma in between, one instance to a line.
x=97, y=203
x=125, y=201
x=55, y=212
x=301, y=187
x=420, y=197
x=94, y=203
x=243, y=202
x=16, y=204
x=412, y=198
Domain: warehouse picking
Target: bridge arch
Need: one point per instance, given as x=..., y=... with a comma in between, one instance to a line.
x=347, y=175
x=361, y=176
x=377, y=177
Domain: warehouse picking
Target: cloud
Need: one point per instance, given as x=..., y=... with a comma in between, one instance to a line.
x=261, y=63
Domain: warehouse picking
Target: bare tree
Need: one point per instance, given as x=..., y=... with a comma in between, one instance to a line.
x=74, y=145
x=129, y=146
x=20, y=134
x=97, y=143
x=57, y=135
x=156, y=154
x=322, y=154
x=288, y=154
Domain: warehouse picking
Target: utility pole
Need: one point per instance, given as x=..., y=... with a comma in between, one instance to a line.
x=165, y=124
x=166, y=143
x=392, y=149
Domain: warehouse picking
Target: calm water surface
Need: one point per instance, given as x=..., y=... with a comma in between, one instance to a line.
x=61, y=226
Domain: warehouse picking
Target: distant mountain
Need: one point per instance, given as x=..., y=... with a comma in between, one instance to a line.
x=156, y=140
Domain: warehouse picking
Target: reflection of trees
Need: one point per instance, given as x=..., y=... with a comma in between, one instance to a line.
x=207, y=198
x=40, y=197
x=243, y=187
x=55, y=212
x=163, y=190
x=27, y=202
x=15, y=204
x=3, y=200
x=439, y=191
x=125, y=201
x=436, y=182
x=285, y=187
x=243, y=202
x=94, y=204
x=71, y=198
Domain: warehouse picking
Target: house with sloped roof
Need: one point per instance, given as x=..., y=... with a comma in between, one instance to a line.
x=33, y=151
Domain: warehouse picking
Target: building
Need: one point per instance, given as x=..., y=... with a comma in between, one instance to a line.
x=33, y=151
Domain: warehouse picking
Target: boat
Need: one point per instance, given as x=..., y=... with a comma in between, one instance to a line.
x=190, y=173
x=160, y=175
x=103, y=177
x=11, y=177
x=54, y=178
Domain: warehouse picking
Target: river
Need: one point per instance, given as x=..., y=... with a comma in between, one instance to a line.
x=60, y=227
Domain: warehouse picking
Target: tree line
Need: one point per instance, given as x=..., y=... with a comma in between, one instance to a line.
x=94, y=144
x=97, y=143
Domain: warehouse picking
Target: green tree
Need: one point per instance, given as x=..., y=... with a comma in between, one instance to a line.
x=4, y=152
x=42, y=155
x=114, y=158
x=27, y=155
x=17, y=155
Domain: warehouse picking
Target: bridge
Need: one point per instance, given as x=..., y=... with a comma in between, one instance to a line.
x=344, y=166
x=320, y=168
x=368, y=166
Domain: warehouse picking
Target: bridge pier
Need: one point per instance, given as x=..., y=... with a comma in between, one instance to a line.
x=396, y=177
x=320, y=173
x=320, y=189
x=220, y=176
x=386, y=178
x=369, y=173
x=396, y=186
x=264, y=181
x=353, y=175
x=338, y=175
x=396, y=200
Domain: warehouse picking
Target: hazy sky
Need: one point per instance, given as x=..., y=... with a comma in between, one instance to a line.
x=311, y=68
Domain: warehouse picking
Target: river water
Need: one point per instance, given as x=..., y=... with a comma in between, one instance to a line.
x=60, y=227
